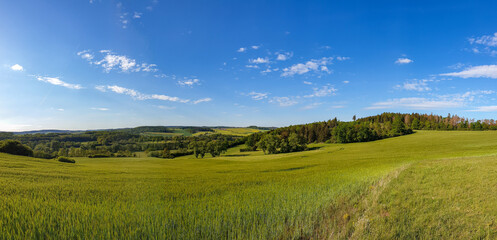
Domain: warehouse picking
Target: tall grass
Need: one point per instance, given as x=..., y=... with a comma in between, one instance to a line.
x=236, y=196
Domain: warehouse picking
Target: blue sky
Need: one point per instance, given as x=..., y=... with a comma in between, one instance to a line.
x=110, y=64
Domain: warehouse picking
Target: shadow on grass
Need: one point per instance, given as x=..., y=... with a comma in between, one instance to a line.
x=236, y=155
x=290, y=169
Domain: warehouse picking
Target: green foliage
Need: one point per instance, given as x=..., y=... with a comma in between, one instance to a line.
x=66, y=160
x=15, y=147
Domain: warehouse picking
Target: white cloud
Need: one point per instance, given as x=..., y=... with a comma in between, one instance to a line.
x=311, y=106
x=324, y=91
x=60, y=109
x=283, y=101
x=252, y=66
x=100, y=109
x=259, y=60
x=124, y=21
x=284, y=56
x=140, y=96
x=342, y=58
x=58, y=82
x=189, y=82
x=416, y=103
x=111, y=61
x=137, y=15
x=483, y=71
x=403, y=61
x=241, y=49
x=346, y=82
x=436, y=102
x=257, y=96
x=202, y=100
x=101, y=88
x=86, y=55
x=315, y=65
x=255, y=47
x=16, y=67
x=308, y=83
x=416, y=85
x=487, y=40
x=484, y=109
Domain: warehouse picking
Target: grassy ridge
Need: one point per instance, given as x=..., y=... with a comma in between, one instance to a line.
x=240, y=195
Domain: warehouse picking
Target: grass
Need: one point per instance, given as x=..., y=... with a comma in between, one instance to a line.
x=231, y=131
x=224, y=131
x=447, y=199
x=250, y=195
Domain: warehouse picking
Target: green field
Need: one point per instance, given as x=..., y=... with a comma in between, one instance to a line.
x=231, y=131
x=426, y=185
x=224, y=131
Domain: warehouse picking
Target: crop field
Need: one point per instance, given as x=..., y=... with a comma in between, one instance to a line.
x=231, y=131
x=429, y=184
x=225, y=131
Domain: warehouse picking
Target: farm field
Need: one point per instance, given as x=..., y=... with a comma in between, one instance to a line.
x=225, y=131
x=431, y=183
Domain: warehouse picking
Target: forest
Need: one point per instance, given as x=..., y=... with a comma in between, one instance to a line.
x=127, y=142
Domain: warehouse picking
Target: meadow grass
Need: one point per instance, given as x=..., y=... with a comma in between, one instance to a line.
x=245, y=195
x=452, y=198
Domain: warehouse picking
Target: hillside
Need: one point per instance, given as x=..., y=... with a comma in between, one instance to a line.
x=318, y=193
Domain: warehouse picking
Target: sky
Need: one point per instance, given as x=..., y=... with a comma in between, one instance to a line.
x=98, y=64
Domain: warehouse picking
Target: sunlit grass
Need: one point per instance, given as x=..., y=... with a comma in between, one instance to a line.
x=240, y=195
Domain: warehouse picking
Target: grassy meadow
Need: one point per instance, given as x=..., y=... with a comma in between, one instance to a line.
x=390, y=188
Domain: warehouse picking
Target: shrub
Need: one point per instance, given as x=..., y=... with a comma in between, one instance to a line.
x=41, y=154
x=66, y=160
x=15, y=147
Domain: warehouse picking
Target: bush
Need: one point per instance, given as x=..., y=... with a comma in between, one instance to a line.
x=66, y=160
x=15, y=147
x=41, y=154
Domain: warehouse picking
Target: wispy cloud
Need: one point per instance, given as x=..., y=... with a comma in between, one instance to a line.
x=255, y=47
x=283, y=56
x=138, y=95
x=16, y=67
x=436, y=102
x=484, y=44
x=99, y=108
x=403, y=61
x=415, y=85
x=137, y=15
x=487, y=40
x=283, y=101
x=242, y=49
x=258, y=96
x=202, y=100
x=313, y=65
x=189, y=82
x=324, y=91
x=483, y=71
x=484, y=109
x=56, y=81
x=111, y=61
x=311, y=106
x=259, y=60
